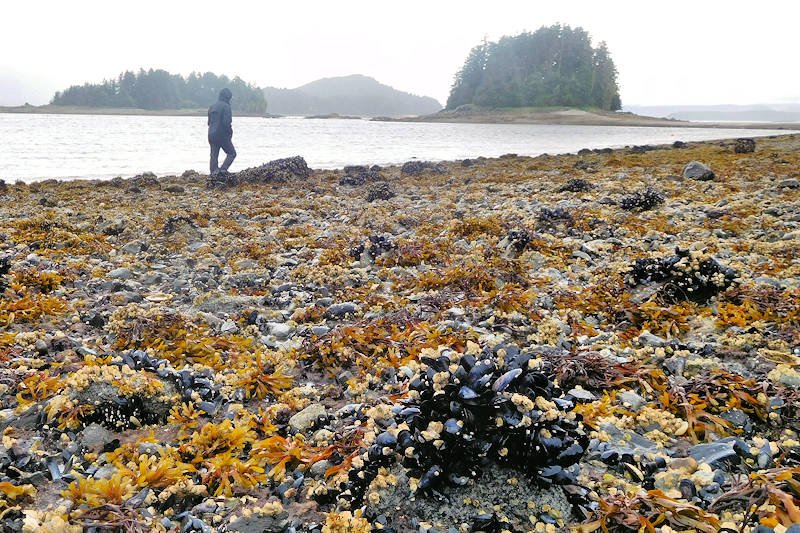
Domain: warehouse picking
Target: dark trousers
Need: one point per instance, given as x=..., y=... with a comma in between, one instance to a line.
x=230, y=154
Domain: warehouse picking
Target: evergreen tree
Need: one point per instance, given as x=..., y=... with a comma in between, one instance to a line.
x=553, y=66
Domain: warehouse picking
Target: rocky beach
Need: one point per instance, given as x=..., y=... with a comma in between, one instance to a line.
x=601, y=341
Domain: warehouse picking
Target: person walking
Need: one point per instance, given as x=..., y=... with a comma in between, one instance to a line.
x=220, y=132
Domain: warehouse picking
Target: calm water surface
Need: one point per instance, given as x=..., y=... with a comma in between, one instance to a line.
x=35, y=147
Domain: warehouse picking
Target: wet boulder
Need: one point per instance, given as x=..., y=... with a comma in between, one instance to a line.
x=415, y=168
x=744, y=146
x=381, y=190
x=698, y=171
x=283, y=170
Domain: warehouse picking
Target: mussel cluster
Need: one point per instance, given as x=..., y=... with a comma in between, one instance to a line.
x=418, y=167
x=642, y=200
x=125, y=412
x=685, y=275
x=278, y=171
x=172, y=224
x=556, y=214
x=465, y=412
x=186, y=381
x=576, y=185
x=378, y=245
x=359, y=176
x=5, y=266
x=380, y=190
x=519, y=239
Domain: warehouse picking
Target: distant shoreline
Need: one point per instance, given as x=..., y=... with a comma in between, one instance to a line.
x=550, y=116
x=81, y=110
x=578, y=117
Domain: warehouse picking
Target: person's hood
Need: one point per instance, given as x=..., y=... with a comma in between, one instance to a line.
x=225, y=95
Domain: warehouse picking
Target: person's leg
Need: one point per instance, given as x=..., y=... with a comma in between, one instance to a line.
x=214, y=167
x=230, y=155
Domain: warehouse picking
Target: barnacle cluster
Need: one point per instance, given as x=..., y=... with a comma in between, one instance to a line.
x=686, y=275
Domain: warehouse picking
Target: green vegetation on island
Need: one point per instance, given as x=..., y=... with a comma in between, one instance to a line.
x=553, y=66
x=156, y=90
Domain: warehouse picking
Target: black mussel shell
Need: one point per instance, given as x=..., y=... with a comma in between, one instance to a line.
x=505, y=380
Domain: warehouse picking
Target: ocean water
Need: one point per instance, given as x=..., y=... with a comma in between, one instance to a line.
x=36, y=147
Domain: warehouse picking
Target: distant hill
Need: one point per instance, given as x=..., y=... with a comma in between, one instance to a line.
x=347, y=95
x=723, y=113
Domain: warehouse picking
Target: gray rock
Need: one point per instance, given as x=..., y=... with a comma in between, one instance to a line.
x=582, y=395
x=319, y=331
x=712, y=452
x=633, y=401
x=305, y=418
x=342, y=377
x=582, y=255
x=120, y=273
x=219, y=302
x=789, y=380
x=341, y=310
x=649, y=339
x=737, y=417
x=150, y=448
x=95, y=435
x=318, y=469
x=698, y=171
x=106, y=471
x=229, y=326
x=790, y=183
x=132, y=248
x=36, y=479
x=41, y=346
x=281, y=331
x=113, y=227
x=634, y=443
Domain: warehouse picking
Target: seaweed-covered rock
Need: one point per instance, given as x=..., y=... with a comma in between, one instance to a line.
x=381, y=190
x=278, y=171
x=744, y=145
x=698, y=171
x=418, y=167
x=359, y=178
x=587, y=166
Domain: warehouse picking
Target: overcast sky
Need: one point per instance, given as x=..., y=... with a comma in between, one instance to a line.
x=669, y=52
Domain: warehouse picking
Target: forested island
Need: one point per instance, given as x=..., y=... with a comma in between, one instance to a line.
x=553, y=66
x=157, y=90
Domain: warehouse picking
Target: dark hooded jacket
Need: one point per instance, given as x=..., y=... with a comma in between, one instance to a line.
x=219, y=119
